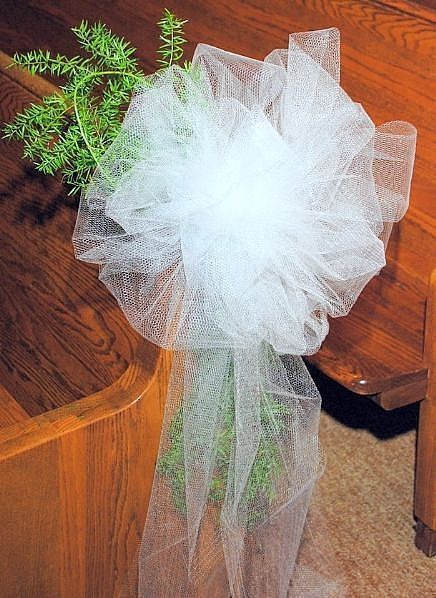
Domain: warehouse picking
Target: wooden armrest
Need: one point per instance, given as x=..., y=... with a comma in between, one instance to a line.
x=75, y=486
x=130, y=387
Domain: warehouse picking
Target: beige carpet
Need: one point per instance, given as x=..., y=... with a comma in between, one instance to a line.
x=367, y=493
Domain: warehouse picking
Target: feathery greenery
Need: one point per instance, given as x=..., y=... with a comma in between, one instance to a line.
x=261, y=487
x=70, y=131
x=171, y=37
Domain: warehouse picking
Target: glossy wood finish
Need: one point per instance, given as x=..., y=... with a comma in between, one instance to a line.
x=388, y=50
x=62, y=335
x=425, y=483
x=75, y=477
x=74, y=487
x=11, y=412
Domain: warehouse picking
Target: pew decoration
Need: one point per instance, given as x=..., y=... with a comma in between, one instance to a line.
x=242, y=203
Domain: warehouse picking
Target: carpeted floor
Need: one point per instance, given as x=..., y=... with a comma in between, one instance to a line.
x=367, y=493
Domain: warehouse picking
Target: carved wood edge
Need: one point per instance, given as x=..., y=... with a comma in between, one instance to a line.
x=401, y=396
x=149, y=362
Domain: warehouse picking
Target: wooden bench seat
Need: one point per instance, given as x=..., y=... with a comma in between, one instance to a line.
x=62, y=335
x=377, y=349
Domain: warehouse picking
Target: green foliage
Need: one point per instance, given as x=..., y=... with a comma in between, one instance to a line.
x=171, y=49
x=261, y=485
x=69, y=131
x=42, y=62
x=107, y=50
x=172, y=463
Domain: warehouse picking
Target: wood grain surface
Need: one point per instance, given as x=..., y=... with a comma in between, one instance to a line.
x=76, y=476
x=425, y=494
x=62, y=335
x=11, y=412
x=74, y=487
x=388, y=56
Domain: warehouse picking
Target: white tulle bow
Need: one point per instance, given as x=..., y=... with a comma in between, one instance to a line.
x=241, y=204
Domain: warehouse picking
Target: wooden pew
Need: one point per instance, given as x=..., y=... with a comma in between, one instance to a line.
x=52, y=455
x=74, y=487
x=75, y=470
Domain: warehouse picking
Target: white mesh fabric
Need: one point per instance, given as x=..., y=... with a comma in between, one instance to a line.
x=240, y=206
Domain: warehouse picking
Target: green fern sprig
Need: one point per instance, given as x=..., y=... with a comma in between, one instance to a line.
x=42, y=62
x=171, y=49
x=69, y=131
x=107, y=50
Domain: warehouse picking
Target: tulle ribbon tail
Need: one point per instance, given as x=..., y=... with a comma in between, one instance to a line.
x=238, y=460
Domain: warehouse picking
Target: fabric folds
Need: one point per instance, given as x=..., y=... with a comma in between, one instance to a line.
x=242, y=204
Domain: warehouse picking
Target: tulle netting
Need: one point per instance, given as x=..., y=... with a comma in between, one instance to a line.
x=242, y=204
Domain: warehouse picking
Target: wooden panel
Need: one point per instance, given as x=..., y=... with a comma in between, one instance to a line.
x=62, y=335
x=425, y=493
x=388, y=55
x=75, y=486
x=29, y=515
